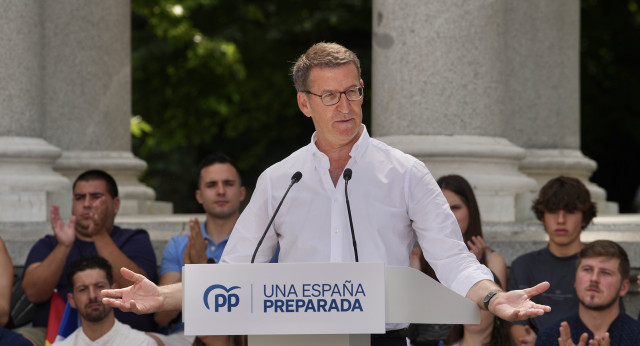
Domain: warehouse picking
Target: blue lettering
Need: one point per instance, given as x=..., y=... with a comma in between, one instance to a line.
x=280, y=291
x=305, y=290
x=233, y=301
x=220, y=301
x=267, y=304
x=334, y=305
x=279, y=305
x=347, y=288
x=335, y=291
x=345, y=305
x=360, y=290
x=316, y=290
x=310, y=306
x=292, y=291
x=356, y=305
x=322, y=305
x=289, y=305
x=265, y=292
x=299, y=304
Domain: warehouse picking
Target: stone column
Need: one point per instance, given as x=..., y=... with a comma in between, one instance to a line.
x=543, y=88
x=87, y=95
x=28, y=184
x=439, y=89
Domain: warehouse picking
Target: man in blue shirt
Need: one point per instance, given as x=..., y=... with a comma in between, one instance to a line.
x=220, y=192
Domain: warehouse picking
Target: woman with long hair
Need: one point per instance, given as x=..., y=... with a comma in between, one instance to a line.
x=462, y=202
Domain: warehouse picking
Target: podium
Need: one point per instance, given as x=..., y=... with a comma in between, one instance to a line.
x=314, y=303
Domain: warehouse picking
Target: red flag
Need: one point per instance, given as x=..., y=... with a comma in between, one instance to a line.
x=56, y=310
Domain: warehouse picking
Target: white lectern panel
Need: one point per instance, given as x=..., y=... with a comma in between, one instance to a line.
x=284, y=298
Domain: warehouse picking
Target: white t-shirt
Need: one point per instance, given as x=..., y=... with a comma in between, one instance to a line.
x=121, y=334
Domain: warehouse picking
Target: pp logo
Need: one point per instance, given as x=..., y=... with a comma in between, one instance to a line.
x=222, y=299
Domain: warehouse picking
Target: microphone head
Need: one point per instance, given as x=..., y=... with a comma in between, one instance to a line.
x=347, y=174
x=296, y=177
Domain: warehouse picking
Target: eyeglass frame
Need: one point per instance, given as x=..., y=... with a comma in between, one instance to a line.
x=339, y=95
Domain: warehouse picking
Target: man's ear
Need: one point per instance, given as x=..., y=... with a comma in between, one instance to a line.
x=624, y=288
x=116, y=202
x=243, y=193
x=304, y=104
x=70, y=300
x=198, y=196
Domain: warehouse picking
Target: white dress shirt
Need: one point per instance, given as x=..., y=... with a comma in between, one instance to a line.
x=120, y=334
x=394, y=201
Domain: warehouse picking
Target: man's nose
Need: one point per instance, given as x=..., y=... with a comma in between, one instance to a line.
x=561, y=216
x=220, y=189
x=343, y=105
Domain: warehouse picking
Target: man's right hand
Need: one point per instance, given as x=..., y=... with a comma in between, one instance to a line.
x=142, y=297
x=196, y=250
x=65, y=234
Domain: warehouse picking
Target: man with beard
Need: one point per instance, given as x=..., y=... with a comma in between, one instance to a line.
x=601, y=279
x=88, y=276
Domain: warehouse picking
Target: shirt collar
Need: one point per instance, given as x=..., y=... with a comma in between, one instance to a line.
x=203, y=229
x=322, y=161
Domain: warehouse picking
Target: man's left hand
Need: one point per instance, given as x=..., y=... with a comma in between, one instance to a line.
x=517, y=304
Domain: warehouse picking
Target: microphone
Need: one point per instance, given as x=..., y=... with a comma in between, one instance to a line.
x=294, y=179
x=347, y=176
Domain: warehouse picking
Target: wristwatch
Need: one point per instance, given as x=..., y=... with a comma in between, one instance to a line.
x=488, y=297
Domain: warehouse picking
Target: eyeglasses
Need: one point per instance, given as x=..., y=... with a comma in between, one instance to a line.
x=333, y=97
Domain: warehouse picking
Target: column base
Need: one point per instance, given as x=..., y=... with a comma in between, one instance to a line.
x=490, y=164
x=28, y=184
x=135, y=197
x=546, y=164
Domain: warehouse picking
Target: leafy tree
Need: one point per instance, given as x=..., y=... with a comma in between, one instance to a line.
x=610, y=85
x=214, y=75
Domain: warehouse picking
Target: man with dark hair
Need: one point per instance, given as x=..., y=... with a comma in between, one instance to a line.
x=565, y=208
x=220, y=192
x=601, y=279
x=90, y=231
x=87, y=277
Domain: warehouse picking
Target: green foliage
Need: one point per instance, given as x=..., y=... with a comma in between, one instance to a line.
x=214, y=76
x=610, y=89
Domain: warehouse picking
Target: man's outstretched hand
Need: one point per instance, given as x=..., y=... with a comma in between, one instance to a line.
x=517, y=305
x=142, y=297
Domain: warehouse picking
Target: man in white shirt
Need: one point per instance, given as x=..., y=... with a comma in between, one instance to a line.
x=394, y=200
x=87, y=277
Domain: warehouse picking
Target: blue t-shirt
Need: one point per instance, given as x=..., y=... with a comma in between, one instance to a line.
x=135, y=244
x=623, y=331
x=535, y=267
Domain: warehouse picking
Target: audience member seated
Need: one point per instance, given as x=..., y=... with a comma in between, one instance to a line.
x=492, y=331
x=220, y=192
x=601, y=279
x=565, y=208
x=87, y=277
x=462, y=202
x=90, y=231
x=7, y=337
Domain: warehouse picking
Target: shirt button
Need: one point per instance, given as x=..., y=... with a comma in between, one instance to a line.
x=213, y=248
x=335, y=200
x=336, y=230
